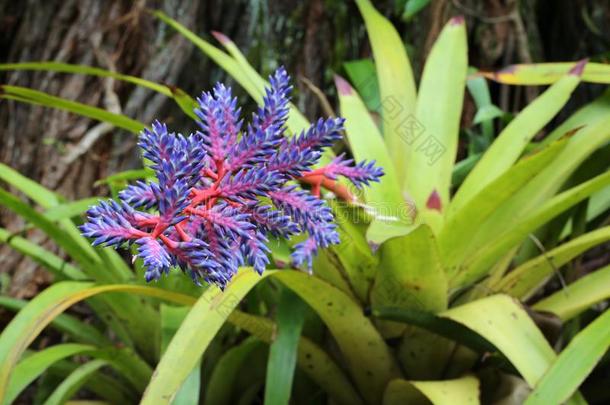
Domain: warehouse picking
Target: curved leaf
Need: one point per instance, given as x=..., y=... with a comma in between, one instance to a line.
x=33, y=366
x=431, y=155
x=396, y=83
x=187, y=346
x=56, y=265
x=578, y=296
x=547, y=73
x=366, y=354
x=75, y=380
x=463, y=391
x=526, y=279
x=40, y=98
x=68, y=324
x=584, y=116
x=45, y=307
x=390, y=212
x=503, y=322
x=574, y=364
x=311, y=358
x=482, y=260
x=171, y=319
x=463, y=223
x=509, y=145
x=411, y=274
x=220, y=385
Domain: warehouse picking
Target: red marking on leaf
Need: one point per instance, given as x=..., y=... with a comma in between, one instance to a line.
x=457, y=20
x=220, y=37
x=434, y=202
x=578, y=68
x=343, y=87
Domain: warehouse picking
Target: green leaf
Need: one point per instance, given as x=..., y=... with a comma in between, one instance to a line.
x=40, y=98
x=503, y=322
x=171, y=319
x=320, y=367
x=283, y=352
x=586, y=115
x=86, y=70
x=206, y=317
x=363, y=74
x=487, y=113
x=46, y=199
x=410, y=274
x=220, y=388
x=436, y=324
x=391, y=215
x=412, y=7
x=33, y=366
x=396, y=83
x=456, y=237
x=548, y=182
x=296, y=121
x=525, y=280
x=184, y=101
x=463, y=391
x=574, y=364
x=127, y=175
x=486, y=110
x=431, y=154
x=366, y=354
x=53, y=231
x=46, y=306
x=475, y=266
x=71, y=326
x=509, y=145
x=59, y=267
x=537, y=74
x=72, y=384
x=578, y=296
x=70, y=209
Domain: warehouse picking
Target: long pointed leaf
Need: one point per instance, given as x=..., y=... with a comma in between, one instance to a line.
x=526, y=279
x=432, y=154
x=283, y=351
x=44, y=99
x=547, y=73
x=509, y=145
x=578, y=296
x=33, y=366
x=574, y=364
x=481, y=261
x=367, y=356
x=396, y=83
x=390, y=212
x=503, y=322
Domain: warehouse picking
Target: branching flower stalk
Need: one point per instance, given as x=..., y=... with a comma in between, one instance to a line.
x=222, y=190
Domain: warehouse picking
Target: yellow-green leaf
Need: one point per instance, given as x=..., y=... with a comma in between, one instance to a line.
x=509, y=145
x=529, y=277
x=396, y=83
x=431, y=154
x=574, y=364
x=578, y=296
x=537, y=74
x=502, y=321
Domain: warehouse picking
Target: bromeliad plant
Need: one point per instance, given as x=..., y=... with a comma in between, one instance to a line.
x=422, y=299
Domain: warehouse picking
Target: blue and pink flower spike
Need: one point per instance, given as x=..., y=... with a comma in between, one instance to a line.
x=220, y=191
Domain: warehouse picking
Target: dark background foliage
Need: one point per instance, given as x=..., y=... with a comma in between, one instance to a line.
x=312, y=38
